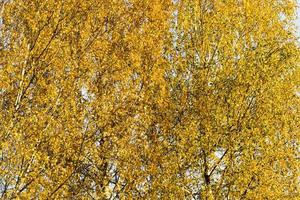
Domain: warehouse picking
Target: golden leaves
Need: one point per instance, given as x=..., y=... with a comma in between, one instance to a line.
x=148, y=100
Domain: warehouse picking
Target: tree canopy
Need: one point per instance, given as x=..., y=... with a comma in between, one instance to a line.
x=138, y=99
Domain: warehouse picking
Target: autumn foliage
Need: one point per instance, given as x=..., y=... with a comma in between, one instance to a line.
x=140, y=99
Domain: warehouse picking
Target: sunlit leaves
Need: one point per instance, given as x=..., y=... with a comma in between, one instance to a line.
x=148, y=100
